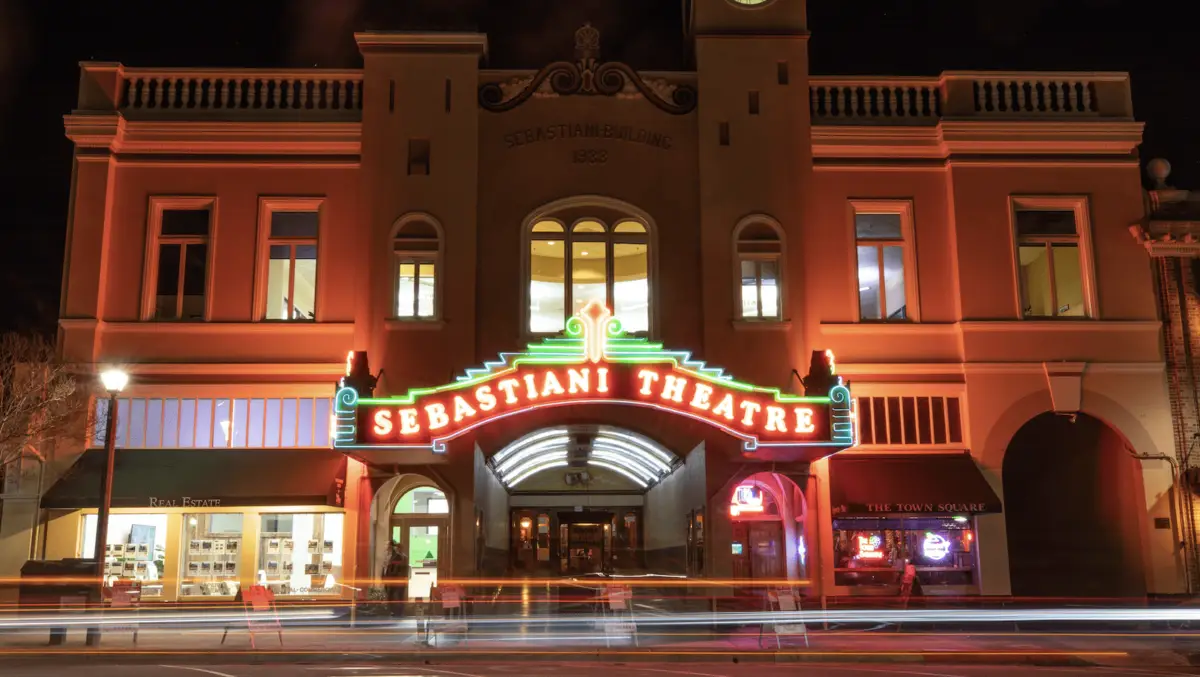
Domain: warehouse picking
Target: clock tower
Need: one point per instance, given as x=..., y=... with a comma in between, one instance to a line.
x=755, y=162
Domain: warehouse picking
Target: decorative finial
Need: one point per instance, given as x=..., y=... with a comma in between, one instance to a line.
x=587, y=42
x=1158, y=169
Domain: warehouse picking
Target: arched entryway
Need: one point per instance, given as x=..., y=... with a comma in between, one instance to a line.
x=412, y=511
x=1072, y=505
x=767, y=512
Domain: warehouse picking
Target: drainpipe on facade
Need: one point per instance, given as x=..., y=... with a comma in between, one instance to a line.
x=1176, y=480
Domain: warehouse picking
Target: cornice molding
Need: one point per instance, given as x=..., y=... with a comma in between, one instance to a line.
x=402, y=42
x=1082, y=137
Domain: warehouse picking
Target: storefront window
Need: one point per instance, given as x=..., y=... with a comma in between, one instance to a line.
x=300, y=554
x=874, y=551
x=134, y=550
x=212, y=548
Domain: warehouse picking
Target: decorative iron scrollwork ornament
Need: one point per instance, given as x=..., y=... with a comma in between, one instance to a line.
x=588, y=76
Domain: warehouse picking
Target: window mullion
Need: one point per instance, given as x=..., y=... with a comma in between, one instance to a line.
x=179, y=288
x=1051, y=279
x=758, y=280
x=880, y=281
x=291, y=300
x=610, y=274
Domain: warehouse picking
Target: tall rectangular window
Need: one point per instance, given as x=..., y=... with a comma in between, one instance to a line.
x=1049, y=262
x=292, y=265
x=417, y=248
x=181, y=275
x=885, y=262
x=759, y=248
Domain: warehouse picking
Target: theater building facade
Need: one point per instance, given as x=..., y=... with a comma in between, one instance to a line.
x=736, y=322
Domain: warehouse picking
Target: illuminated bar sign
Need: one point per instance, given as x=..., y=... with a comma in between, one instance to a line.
x=594, y=363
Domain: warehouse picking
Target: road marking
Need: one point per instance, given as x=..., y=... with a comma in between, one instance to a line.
x=894, y=671
x=424, y=668
x=676, y=672
x=211, y=672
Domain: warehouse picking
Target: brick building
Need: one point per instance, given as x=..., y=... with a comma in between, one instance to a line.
x=954, y=247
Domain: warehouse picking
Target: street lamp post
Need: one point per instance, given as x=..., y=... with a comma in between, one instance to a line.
x=114, y=381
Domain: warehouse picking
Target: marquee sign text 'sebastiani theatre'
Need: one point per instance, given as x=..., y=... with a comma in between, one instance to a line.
x=594, y=362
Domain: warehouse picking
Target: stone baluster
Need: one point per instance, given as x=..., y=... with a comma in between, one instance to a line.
x=1055, y=102
x=1086, y=101
x=1022, y=97
x=356, y=95
x=142, y=86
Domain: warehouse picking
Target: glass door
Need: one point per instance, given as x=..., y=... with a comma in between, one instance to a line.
x=423, y=540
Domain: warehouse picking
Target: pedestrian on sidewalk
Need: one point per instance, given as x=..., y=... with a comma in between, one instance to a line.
x=395, y=578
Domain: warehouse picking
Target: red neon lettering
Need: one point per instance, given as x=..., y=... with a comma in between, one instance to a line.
x=551, y=386
x=383, y=422
x=751, y=408
x=530, y=388
x=673, y=388
x=776, y=419
x=647, y=377
x=462, y=409
x=408, y=422
x=485, y=398
x=577, y=380
x=700, y=396
x=437, y=416
x=509, y=386
x=804, y=422
x=724, y=407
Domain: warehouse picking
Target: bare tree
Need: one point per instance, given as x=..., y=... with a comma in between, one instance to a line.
x=41, y=399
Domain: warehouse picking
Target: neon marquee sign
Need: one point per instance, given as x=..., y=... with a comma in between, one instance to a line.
x=594, y=362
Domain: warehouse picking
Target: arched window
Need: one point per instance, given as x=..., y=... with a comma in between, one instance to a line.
x=417, y=250
x=569, y=265
x=759, y=245
x=422, y=501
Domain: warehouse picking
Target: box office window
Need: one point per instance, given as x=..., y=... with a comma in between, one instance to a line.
x=211, y=555
x=873, y=551
x=215, y=422
x=135, y=549
x=301, y=553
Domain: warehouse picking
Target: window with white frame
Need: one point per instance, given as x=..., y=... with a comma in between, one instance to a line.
x=417, y=246
x=759, y=246
x=1051, y=256
x=180, y=258
x=590, y=260
x=886, y=275
x=182, y=423
x=291, y=265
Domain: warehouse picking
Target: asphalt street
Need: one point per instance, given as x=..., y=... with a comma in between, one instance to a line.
x=518, y=669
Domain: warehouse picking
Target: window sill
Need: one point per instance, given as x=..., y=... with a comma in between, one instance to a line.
x=398, y=324
x=762, y=325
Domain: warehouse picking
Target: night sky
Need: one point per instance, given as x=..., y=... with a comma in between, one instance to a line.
x=42, y=41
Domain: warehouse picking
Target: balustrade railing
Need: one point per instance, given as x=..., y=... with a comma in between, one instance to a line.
x=851, y=100
x=247, y=90
x=895, y=101
x=1034, y=95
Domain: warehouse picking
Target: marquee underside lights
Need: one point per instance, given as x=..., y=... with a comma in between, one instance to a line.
x=595, y=363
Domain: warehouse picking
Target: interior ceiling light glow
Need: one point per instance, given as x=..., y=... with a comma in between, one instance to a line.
x=639, y=455
x=525, y=442
x=517, y=480
x=638, y=441
x=545, y=446
x=625, y=462
x=608, y=466
x=533, y=462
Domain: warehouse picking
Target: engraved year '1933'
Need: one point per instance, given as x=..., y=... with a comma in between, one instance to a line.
x=589, y=156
